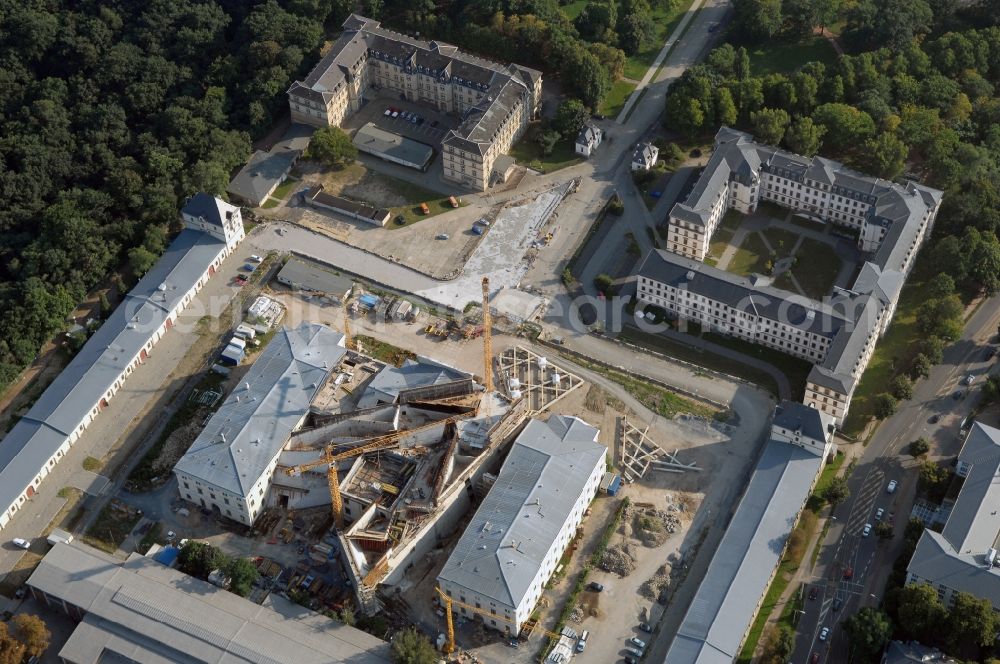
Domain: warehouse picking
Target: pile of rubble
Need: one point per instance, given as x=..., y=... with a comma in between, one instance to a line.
x=576, y=615
x=657, y=587
x=652, y=527
x=618, y=559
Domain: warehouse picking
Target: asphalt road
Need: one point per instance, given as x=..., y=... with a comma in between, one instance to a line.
x=845, y=548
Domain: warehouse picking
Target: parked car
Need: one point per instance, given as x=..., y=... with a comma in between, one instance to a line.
x=255, y=258
x=637, y=642
x=968, y=379
x=434, y=123
x=849, y=573
x=400, y=220
x=837, y=603
x=388, y=112
x=813, y=592
x=956, y=395
x=443, y=236
x=824, y=633
x=646, y=627
x=420, y=121
x=21, y=543
x=891, y=486
x=582, y=643
x=634, y=651
x=630, y=660
x=395, y=114
x=935, y=418
x=814, y=658
x=879, y=513
x=596, y=587
x=990, y=352
x=867, y=530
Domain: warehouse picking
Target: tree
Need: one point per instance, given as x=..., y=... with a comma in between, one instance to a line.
x=846, y=126
x=941, y=317
x=883, y=530
x=885, y=405
x=570, y=117
x=635, y=31
x=605, y=284
x=884, y=156
x=971, y=625
x=889, y=23
x=769, y=125
x=757, y=20
x=685, y=115
x=12, y=651
x=918, y=448
x=941, y=285
x=921, y=366
x=902, y=388
x=800, y=17
x=331, y=147
x=198, y=559
x=869, y=630
x=725, y=108
x=548, y=139
x=597, y=21
x=920, y=611
x=933, y=349
x=242, y=575
x=32, y=632
x=804, y=137
x=412, y=647
x=836, y=491
x=141, y=259
x=588, y=77
x=934, y=480
x=779, y=643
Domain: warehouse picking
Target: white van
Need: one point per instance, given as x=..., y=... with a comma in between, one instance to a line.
x=582, y=643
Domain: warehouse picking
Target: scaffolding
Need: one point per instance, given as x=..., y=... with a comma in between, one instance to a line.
x=535, y=378
x=639, y=453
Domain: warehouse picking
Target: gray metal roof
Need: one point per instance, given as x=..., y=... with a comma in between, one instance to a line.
x=380, y=142
x=974, y=524
x=588, y=135
x=645, y=154
x=386, y=385
x=246, y=433
x=75, y=391
x=310, y=276
x=737, y=577
x=808, y=422
x=913, y=653
x=142, y=611
x=261, y=175
x=935, y=562
x=505, y=542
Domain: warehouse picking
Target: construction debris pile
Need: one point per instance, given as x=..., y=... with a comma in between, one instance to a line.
x=652, y=527
x=619, y=560
x=576, y=615
x=657, y=587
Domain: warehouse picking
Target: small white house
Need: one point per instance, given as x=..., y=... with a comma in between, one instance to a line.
x=645, y=157
x=588, y=139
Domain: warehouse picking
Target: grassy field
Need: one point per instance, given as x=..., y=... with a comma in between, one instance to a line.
x=795, y=369
x=816, y=270
x=895, y=349
x=784, y=58
x=615, y=101
x=781, y=240
x=111, y=527
x=751, y=256
x=657, y=399
x=665, y=21
x=529, y=153
x=698, y=357
x=724, y=234
x=411, y=213
x=383, y=351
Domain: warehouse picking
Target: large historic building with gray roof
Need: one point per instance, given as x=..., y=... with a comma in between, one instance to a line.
x=62, y=413
x=514, y=541
x=496, y=101
x=229, y=466
x=963, y=556
x=837, y=335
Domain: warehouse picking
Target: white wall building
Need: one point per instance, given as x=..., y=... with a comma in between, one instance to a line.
x=588, y=140
x=838, y=335
x=85, y=387
x=514, y=541
x=228, y=467
x=645, y=157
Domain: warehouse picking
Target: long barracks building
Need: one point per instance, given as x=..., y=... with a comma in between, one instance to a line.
x=837, y=335
x=495, y=101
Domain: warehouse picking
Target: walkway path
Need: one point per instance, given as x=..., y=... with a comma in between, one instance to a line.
x=660, y=57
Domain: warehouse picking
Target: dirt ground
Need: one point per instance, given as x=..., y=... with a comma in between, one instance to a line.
x=355, y=182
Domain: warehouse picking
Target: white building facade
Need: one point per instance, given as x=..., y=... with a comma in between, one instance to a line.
x=513, y=543
x=213, y=229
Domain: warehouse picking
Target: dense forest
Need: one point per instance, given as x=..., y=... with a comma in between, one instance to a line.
x=111, y=114
x=926, y=107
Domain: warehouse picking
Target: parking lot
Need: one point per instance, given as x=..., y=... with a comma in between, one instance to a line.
x=425, y=132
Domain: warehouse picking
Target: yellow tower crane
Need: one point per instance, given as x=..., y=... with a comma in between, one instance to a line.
x=449, y=646
x=378, y=443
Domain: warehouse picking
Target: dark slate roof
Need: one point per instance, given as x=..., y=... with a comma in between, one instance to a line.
x=208, y=207
x=588, y=135
x=742, y=293
x=800, y=418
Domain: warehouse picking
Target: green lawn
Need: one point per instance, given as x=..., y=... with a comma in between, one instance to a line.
x=528, y=153
x=573, y=9
x=781, y=240
x=795, y=369
x=615, y=101
x=411, y=212
x=723, y=235
x=784, y=58
x=698, y=357
x=750, y=257
x=894, y=350
x=830, y=471
x=285, y=188
x=817, y=268
x=773, y=210
x=665, y=21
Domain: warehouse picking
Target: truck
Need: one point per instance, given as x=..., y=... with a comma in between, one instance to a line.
x=58, y=536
